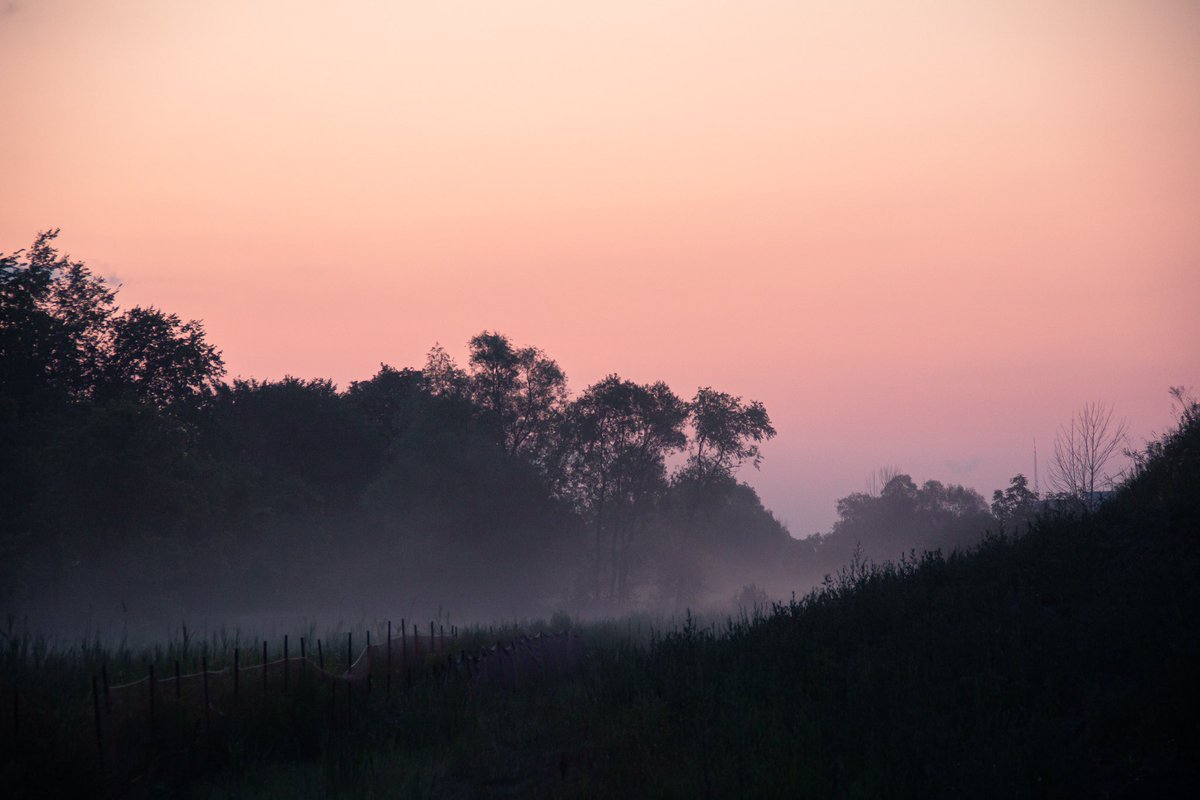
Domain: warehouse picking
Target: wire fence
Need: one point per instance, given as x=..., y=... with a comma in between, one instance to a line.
x=135, y=722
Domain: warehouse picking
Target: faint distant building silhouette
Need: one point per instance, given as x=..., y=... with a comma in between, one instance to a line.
x=1087, y=501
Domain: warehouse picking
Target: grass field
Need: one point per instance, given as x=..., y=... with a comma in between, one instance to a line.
x=1059, y=662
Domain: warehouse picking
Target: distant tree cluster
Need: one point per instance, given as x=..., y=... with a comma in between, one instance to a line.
x=902, y=517
x=895, y=516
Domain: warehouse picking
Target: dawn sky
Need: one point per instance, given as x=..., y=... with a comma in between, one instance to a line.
x=922, y=233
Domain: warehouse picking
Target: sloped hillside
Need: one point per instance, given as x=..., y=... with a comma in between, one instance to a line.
x=1061, y=662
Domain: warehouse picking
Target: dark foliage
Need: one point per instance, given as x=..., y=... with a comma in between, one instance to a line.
x=1058, y=663
x=902, y=517
x=1056, y=658
x=133, y=478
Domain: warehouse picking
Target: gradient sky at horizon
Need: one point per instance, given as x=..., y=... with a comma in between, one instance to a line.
x=923, y=233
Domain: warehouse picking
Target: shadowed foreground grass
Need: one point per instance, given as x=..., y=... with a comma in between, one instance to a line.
x=1061, y=662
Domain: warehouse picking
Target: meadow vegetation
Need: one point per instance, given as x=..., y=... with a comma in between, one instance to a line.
x=1055, y=661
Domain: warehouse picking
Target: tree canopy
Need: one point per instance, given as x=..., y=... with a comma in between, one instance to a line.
x=62, y=338
x=122, y=439
x=123, y=443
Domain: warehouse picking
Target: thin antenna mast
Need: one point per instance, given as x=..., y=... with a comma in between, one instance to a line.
x=1037, y=489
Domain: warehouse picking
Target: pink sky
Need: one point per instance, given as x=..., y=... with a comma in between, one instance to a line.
x=922, y=232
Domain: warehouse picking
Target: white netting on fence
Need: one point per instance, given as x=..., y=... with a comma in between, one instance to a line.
x=217, y=691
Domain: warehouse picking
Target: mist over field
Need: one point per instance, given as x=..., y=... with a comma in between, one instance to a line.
x=146, y=493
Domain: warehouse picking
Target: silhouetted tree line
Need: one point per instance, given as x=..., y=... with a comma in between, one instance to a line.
x=126, y=455
x=130, y=468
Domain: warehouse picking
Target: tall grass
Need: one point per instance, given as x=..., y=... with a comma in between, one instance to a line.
x=1060, y=662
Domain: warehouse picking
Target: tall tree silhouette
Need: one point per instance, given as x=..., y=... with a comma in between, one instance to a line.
x=520, y=393
x=1016, y=505
x=441, y=376
x=726, y=433
x=705, y=495
x=54, y=317
x=618, y=436
x=153, y=357
x=61, y=335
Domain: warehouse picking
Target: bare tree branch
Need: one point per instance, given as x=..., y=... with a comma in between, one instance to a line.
x=1082, y=450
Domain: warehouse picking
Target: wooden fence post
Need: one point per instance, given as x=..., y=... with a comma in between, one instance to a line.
x=151, y=682
x=285, y=663
x=264, y=674
x=333, y=701
x=207, y=713
x=404, y=649
x=99, y=733
x=320, y=656
x=150, y=740
x=104, y=682
x=237, y=674
x=388, y=683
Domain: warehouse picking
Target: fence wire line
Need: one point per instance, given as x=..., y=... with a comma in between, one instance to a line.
x=126, y=713
x=484, y=665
